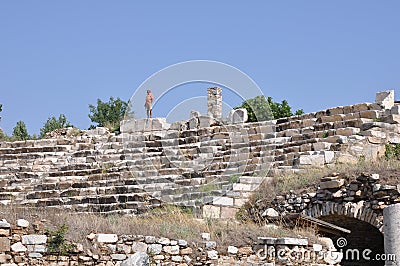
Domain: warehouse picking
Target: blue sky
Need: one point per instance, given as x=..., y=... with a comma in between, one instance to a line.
x=60, y=56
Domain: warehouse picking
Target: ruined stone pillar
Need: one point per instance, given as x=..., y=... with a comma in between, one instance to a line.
x=391, y=221
x=214, y=100
x=385, y=98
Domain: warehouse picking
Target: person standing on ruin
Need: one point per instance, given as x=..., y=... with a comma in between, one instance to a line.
x=149, y=104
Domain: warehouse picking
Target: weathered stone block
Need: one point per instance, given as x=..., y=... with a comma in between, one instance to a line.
x=22, y=223
x=107, y=238
x=292, y=241
x=270, y=213
x=154, y=248
x=139, y=247
x=118, y=256
x=232, y=250
x=18, y=247
x=316, y=160
x=332, y=184
x=228, y=212
x=4, y=244
x=210, y=211
x=4, y=224
x=385, y=98
x=194, y=114
x=139, y=258
x=193, y=123
x=34, y=239
x=224, y=201
x=172, y=250
x=238, y=116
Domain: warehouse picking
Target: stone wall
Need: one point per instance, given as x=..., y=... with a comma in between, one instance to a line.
x=363, y=199
x=19, y=247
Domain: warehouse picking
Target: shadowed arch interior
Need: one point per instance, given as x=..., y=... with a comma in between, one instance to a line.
x=363, y=236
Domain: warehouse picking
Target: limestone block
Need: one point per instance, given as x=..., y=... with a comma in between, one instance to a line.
x=193, y=123
x=332, y=118
x=244, y=187
x=385, y=98
x=329, y=156
x=232, y=250
x=128, y=126
x=154, y=249
x=194, y=114
x=332, y=184
x=348, y=131
x=4, y=224
x=392, y=119
x=4, y=244
x=18, y=247
x=139, y=258
x=205, y=236
x=335, y=111
x=4, y=232
x=118, y=256
x=371, y=114
x=206, y=121
x=210, y=211
x=228, y=212
x=159, y=124
x=359, y=107
x=172, y=250
x=316, y=160
x=292, y=241
x=270, y=213
x=395, y=110
x=34, y=239
x=224, y=201
x=321, y=146
x=107, y=238
x=374, y=151
x=374, y=133
x=238, y=116
x=139, y=247
x=212, y=254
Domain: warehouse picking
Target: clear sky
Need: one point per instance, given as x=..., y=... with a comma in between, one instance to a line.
x=60, y=56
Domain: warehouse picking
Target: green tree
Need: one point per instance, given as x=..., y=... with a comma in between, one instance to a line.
x=260, y=109
x=257, y=109
x=53, y=123
x=20, y=132
x=108, y=114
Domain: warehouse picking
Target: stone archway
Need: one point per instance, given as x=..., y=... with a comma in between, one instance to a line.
x=361, y=246
x=365, y=224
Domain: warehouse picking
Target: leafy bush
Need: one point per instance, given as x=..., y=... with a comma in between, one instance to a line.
x=53, y=123
x=57, y=242
x=20, y=132
x=392, y=151
x=108, y=114
x=261, y=109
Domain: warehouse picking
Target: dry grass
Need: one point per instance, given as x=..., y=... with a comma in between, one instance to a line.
x=168, y=222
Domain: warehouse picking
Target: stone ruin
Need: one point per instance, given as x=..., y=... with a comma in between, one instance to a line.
x=206, y=163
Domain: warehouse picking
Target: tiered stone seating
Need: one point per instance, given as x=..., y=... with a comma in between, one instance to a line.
x=184, y=165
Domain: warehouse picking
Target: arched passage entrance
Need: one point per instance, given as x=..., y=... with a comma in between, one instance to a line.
x=361, y=246
x=365, y=224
